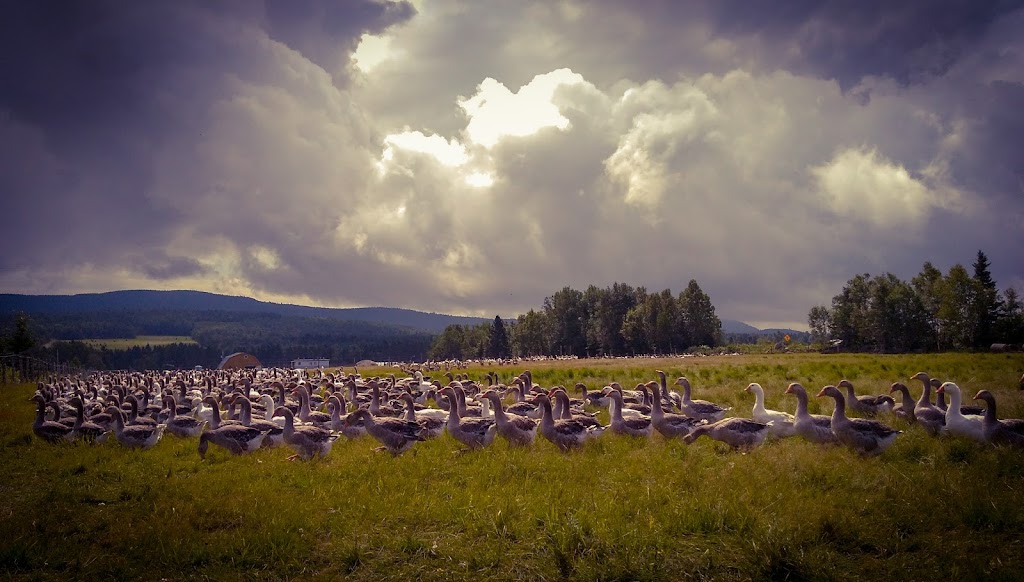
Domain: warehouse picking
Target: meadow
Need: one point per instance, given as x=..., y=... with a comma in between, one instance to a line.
x=619, y=509
x=139, y=341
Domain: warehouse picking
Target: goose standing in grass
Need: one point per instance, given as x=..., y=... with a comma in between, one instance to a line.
x=816, y=428
x=669, y=398
x=699, y=409
x=971, y=426
x=236, y=438
x=181, y=426
x=928, y=416
x=670, y=425
x=867, y=437
x=274, y=433
x=564, y=434
x=597, y=399
x=87, y=430
x=517, y=430
x=738, y=433
x=637, y=426
x=940, y=402
x=866, y=405
x=905, y=409
x=137, y=435
x=308, y=441
x=308, y=415
x=431, y=423
x=396, y=434
x=780, y=424
x=49, y=430
x=475, y=433
x=1009, y=431
x=563, y=410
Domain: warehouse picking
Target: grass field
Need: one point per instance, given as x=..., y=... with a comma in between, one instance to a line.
x=139, y=341
x=620, y=509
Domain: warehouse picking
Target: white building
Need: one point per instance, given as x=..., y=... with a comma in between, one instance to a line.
x=303, y=363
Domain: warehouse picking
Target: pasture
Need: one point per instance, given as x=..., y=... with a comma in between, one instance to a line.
x=139, y=341
x=619, y=509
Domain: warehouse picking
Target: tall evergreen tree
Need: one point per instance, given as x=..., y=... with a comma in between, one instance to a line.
x=928, y=286
x=21, y=340
x=704, y=326
x=498, y=340
x=988, y=302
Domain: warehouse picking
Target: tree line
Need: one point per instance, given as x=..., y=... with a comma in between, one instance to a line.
x=619, y=320
x=931, y=312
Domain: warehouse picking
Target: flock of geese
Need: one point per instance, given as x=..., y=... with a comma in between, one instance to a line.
x=284, y=409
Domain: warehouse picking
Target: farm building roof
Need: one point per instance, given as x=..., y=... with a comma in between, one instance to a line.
x=239, y=360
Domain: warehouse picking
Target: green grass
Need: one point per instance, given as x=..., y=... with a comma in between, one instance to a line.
x=139, y=341
x=620, y=509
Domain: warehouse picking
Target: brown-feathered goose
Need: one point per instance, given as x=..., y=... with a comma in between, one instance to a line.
x=561, y=409
x=1009, y=431
x=816, y=428
x=928, y=416
x=307, y=440
x=738, y=433
x=668, y=424
x=236, y=438
x=396, y=434
x=48, y=430
x=84, y=429
x=473, y=432
x=637, y=426
x=274, y=433
x=866, y=405
x=867, y=437
x=517, y=430
x=699, y=409
x=432, y=425
x=564, y=434
x=138, y=435
x=905, y=409
x=181, y=426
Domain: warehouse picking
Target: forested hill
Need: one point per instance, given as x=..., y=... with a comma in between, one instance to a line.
x=198, y=301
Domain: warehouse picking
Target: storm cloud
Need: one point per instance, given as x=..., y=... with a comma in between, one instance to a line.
x=485, y=154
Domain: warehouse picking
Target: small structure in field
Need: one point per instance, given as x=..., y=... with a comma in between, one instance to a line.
x=366, y=363
x=239, y=360
x=305, y=363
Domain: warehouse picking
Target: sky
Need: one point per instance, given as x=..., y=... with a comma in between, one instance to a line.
x=474, y=157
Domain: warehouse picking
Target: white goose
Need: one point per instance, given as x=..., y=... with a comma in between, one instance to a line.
x=972, y=426
x=780, y=424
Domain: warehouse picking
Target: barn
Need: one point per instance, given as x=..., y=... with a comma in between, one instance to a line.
x=239, y=360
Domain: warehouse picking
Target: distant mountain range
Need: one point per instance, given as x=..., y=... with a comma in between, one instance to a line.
x=202, y=301
x=143, y=300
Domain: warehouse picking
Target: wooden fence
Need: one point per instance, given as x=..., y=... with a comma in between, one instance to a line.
x=17, y=369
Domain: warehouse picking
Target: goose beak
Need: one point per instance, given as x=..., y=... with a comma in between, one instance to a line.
x=789, y=390
x=940, y=390
x=822, y=393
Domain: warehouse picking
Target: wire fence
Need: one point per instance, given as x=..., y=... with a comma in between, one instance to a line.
x=16, y=368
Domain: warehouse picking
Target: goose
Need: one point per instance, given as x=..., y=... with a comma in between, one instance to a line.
x=597, y=399
x=781, y=424
x=306, y=414
x=460, y=401
x=940, y=402
x=432, y=425
x=816, y=428
x=274, y=433
x=669, y=399
x=353, y=430
x=738, y=433
x=236, y=438
x=89, y=431
x=396, y=434
x=956, y=423
x=517, y=430
x=475, y=433
x=376, y=408
x=48, y=430
x=136, y=435
x=866, y=405
x=638, y=426
x=905, y=409
x=1009, y=431
x=269, y=406
x=181, y=426
x=564, y=434
x=867, y=437
x=699, y=409
x=562, y=409
x=928, y=416
x=668, y=424
x=134, y=418
x=214, y=417
x=307, y=440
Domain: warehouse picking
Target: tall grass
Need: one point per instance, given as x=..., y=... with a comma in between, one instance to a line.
x=618, y=509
